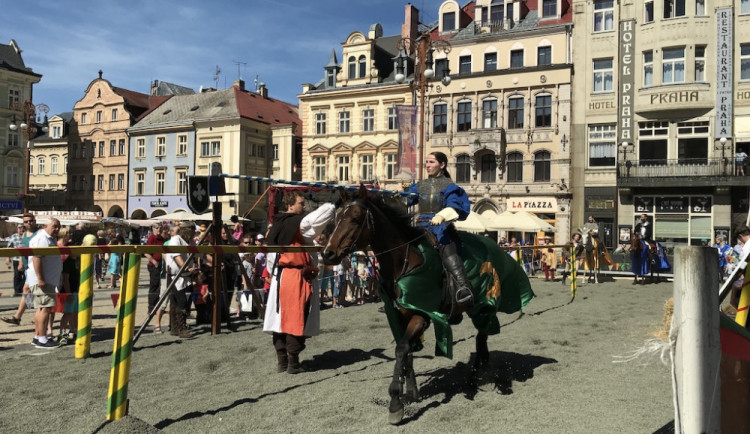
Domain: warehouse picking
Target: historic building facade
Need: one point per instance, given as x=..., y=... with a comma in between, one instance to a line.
x=504, y=117
x=48, y=179
x=248, y=133
x=16, y=81
x=98, y=172
x=660, y=108
x=350, y=128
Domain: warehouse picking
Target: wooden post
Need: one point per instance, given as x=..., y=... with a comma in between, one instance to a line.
x=217, y=292
x=697, y=354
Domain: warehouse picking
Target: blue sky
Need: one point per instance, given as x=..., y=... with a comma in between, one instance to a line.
x=285, y=43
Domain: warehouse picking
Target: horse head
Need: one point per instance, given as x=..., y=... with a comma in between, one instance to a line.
x=353, y=230
x=587, y=236
x=635, y=243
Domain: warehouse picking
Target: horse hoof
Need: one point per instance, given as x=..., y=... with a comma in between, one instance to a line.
x=395, y=417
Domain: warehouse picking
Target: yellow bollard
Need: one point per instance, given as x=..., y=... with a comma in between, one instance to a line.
x=117, y=402
x=744, y=303
x=85, y=303
x=573, y=272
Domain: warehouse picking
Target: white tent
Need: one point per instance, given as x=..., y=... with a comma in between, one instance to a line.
x=188, y=216
x=473, y=223
x=519, y=222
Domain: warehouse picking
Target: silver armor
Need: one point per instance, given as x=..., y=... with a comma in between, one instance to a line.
x=430, y=194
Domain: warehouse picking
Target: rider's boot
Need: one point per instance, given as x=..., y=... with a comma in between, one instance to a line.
x=463, y=295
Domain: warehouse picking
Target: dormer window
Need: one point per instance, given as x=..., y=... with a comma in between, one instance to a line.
x=362, y=66
x=549, y=8
x=449, y=21
x=352, y=67
x=331, y=78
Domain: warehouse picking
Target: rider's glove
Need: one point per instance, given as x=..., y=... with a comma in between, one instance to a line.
x=448, y=214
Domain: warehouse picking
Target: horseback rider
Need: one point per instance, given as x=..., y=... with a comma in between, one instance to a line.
x=643, y=229
x=442, y=202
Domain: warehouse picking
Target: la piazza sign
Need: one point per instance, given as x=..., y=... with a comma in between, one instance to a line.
x=533, y=204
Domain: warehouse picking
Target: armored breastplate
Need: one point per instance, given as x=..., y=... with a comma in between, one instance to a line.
x=430, y=194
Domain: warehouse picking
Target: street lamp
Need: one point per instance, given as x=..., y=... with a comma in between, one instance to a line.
x=423, y=48
x=624, y=148
x=723, y=143
x=30, y=127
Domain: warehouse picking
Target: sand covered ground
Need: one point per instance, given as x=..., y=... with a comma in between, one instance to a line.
x=552, y=370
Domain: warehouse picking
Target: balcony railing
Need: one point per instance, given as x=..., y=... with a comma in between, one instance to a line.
x=677, y=168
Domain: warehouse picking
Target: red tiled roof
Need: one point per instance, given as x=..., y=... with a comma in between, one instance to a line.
x=132, y=98
x=251, y=105
x=156, y=101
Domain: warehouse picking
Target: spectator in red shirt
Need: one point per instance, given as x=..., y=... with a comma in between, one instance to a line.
x=158, y=236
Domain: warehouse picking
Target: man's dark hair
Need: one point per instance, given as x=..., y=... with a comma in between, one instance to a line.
x=290, y=198
x=742, y=232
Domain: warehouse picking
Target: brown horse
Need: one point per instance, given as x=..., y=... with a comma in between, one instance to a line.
x=595, y=253
x=411, y=285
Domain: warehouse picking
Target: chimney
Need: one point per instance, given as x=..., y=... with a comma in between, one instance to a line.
x=262, y=90
x=155, y=87
x=410, y=28
x=239, y=84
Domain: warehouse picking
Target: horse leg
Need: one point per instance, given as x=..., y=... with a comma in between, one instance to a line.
x=481, y=359
x=415, y=327
x=411, y=392
x=396, y=407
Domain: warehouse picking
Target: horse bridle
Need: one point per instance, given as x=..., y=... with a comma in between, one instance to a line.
x=369, y=223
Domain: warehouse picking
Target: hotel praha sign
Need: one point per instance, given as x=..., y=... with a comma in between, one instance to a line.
x=627, y=82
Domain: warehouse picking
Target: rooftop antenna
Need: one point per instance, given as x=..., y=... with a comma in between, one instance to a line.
x=256, y=82
x=239, y=75
x=216, y=77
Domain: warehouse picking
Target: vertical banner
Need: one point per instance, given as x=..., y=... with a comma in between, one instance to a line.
x=724, y=66
x=407, y=142
x=626, y=82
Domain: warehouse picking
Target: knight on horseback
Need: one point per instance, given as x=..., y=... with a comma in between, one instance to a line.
x=643, y=228
x=441, y=202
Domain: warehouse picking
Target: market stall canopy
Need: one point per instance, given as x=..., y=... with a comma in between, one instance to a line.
x=66, y=218
x=133, y=223
x=519, y=222
x=473, y=223
x=191, y=217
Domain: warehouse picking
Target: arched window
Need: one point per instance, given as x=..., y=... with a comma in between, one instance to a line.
x=488, y=167
x=515, y=167
x=543, y=111
x=53, y=166
x=352, y=67
x=515, y=113
x=541, y=166
x=40, y=162
x=362, y=67
x=440, y=118
x=463, y=169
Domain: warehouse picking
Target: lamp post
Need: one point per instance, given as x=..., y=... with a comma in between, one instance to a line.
x=624, y=148
x=423, y=48
x=30, y=127
x=723, y=142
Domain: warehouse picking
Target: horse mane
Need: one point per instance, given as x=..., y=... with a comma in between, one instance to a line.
x=396, y=212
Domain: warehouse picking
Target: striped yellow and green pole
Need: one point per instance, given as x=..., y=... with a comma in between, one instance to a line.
x=573, y=273
x=117, y=402
x=85, y=304
x=744, y=303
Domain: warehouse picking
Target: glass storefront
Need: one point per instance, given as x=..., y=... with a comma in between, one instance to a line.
x=677, y=219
